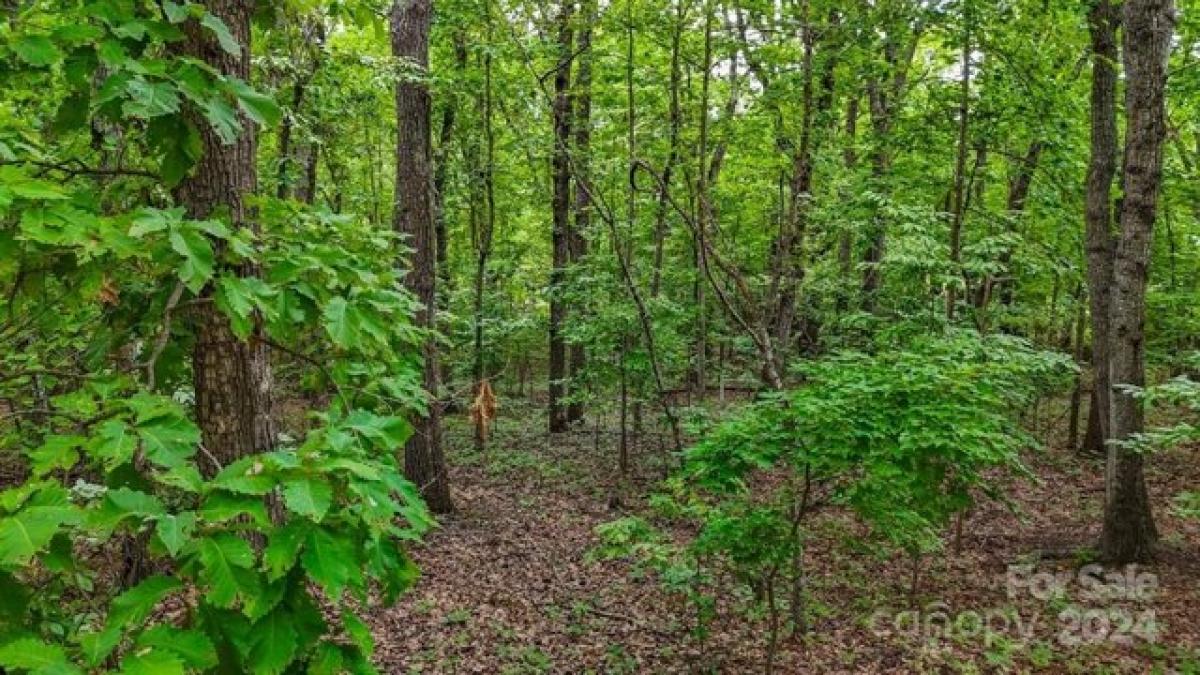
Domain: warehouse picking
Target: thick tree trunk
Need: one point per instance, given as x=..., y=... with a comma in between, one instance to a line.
x=1129, y=531
x=1103, y=20
x=560, y=208
x=424, y=463
x=232, y=377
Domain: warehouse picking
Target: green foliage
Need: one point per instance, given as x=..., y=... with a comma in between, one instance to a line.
x=244, y=564
x=900, y=438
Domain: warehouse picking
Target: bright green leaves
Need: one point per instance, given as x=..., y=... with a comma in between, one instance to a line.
x=150, y=99
x=226, y=563
x=276, y=642
x=174, y=531
x=259, y=107
x=309, y=496
x=218, y=28
x=36, y=50
x=198, y=259
x=35, y=656
x=25, y=532
x=331, y=560
x=57, y=452
x=192, y=647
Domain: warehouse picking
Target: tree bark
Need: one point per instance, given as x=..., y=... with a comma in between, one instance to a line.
x=1129, y=530
x=413, y=217
x=1103, y=21
x=232, y=377
x=560, y=210
x=582, y=127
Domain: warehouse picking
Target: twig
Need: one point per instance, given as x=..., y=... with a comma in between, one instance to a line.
x=161, y=342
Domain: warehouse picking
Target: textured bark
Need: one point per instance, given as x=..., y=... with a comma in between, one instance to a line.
x=1103, y=20
x=486, y=229
x=1129, y=531
x=560, y=207
x=582, y=127
x=424, y=463
x=232, y=377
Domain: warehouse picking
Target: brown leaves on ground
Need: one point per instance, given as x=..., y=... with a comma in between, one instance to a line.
x=508, y=586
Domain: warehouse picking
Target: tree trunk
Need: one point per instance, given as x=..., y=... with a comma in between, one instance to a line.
x=583, y=204
x=1103, y=20
x=560, y=207
x=424, y=463
x=960, y=169
x=1129, y=531
x=232, y=377
x=484, y=250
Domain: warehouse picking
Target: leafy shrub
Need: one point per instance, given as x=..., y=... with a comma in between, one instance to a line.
x=901, y=438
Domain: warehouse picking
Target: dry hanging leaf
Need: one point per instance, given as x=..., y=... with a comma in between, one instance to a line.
x=483, y=409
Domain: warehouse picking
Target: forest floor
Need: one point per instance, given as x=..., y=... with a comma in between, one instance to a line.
x=509, y=584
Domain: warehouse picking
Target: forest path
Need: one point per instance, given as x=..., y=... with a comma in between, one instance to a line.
x=508, y=586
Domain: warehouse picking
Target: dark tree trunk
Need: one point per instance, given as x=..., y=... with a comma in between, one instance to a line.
x=487, y=228
x=1103, y=20
x=960, y=168
x=561, y=232
x=424, y=463
x=583, y=203
x=674, y=118
x=1129, y=531
x=232, y=377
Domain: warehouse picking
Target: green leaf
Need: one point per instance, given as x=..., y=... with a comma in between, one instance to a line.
x=246, y=476
x=283, y=547
x=114, y=444
x=175, y=530
x=169, y=440
x=37, y=50
x=193, y=646
x=308, y=496
x=57, y=452
x=134, y=605
x=24, y=534
x=221, y=506
x=153, y=662
x=338, y=324
x=150, y=99
x=36, y=656
x=197, y=252
x=275, y=646
x=257, y=106
x=221, y=556
x=359, y=632
x=224, y=36
x=332, y=561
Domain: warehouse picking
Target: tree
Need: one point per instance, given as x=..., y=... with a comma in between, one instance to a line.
x=1103, y=21
x=561, y=216
x=424, y=463
x=232, y=376
x=1129, y=530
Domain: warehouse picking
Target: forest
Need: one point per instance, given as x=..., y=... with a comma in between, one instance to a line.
x=599, y=336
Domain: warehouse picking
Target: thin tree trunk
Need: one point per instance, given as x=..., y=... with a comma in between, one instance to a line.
x=1129, y=530
x=424, y=463
x=560, y=207
x=960, y=169
x=581, y=161
x=487, y=229
x=674, y=120
x=1103, y=21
